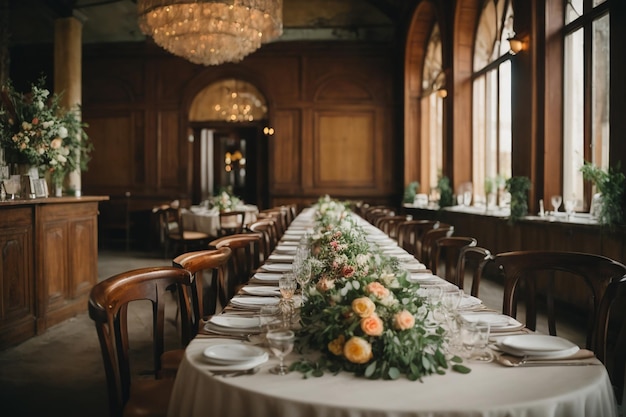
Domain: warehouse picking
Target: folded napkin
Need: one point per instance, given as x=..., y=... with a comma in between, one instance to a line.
x=582, y=357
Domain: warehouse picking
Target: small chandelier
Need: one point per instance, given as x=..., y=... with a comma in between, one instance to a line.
x=211, y=32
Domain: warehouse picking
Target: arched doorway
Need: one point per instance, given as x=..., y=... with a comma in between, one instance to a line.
x=229, y=151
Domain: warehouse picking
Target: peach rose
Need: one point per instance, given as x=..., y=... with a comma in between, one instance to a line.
x=372, y=325
x=377, y=289
x=403, y=320
x=336, y=346
x=363, y=306
x=357, y=350
x=56, y=143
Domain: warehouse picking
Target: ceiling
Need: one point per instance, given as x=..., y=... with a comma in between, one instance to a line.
x=32, y=21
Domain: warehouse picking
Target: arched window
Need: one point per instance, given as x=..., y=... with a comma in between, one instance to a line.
x=433, y=93
x=585, y=92
x=491, y=107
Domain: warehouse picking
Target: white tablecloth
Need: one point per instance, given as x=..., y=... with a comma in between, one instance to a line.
x=489, y=390
x=205, y=220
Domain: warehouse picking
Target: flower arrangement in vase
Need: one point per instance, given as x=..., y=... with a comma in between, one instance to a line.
x=610, y=184
x=360, y=313
x=226, y=201
x=36, y=130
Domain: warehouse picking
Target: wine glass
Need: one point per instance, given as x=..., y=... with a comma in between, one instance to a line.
x=281, y=343
x=287, y=285
x=556, y=201
x=570, y=205
x=474, y=340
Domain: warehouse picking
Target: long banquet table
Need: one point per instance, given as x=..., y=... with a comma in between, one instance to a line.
x=489, y=390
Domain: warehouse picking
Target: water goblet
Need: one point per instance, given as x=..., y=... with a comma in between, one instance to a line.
x=570, y=205
x=482, y=352
x=287, y=285
x=270, y=317
x=468, y=336
x=281, y=343
x=556, y=201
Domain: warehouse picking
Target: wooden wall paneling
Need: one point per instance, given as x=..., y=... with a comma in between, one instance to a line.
x=286, y=152
x=169, y=143
x=345, y=150
x=17, y=286
x=113, y=160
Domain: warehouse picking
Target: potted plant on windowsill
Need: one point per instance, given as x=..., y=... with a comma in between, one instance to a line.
x=610, y=185
x=518, y=188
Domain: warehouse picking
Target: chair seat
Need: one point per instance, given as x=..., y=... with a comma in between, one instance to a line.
x=149, y=398
x=170, y=361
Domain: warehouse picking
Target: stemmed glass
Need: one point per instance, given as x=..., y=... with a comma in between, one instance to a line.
x=570, y=205
x=281, y=343
x=556, y=201
x=287, y=286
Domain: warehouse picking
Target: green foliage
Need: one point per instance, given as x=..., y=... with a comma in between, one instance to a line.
x=610, y=184
x=446, y=194
x=410, y=191
x=518, y=187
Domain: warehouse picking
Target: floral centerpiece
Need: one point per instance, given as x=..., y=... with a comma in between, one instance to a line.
x=360, y=312
x=36, y=130
x=226, y=201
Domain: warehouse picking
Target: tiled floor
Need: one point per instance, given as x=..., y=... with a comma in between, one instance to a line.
x=60, y=373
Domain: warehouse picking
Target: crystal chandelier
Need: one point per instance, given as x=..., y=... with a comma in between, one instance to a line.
x=211, y=32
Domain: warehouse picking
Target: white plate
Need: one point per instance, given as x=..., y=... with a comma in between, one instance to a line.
x=278, y=267
x=497, y=322
x=235, y=322
x=277, y=257
x=414, y=266
x=423, y=277
x=539, y=343
x=469, y=301
x=262, y=291
x=292, y=238
x=232, y=353
x=255, y=302
x=267, y=277
x=286, y=249
x=534, y=354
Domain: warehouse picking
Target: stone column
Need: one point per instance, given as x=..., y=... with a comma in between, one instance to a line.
x=68, y=75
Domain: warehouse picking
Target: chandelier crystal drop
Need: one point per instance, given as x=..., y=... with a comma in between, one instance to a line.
x=211, y=32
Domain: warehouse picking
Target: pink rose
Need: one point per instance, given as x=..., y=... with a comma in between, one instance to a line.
x=347, y=271
x=377, y=289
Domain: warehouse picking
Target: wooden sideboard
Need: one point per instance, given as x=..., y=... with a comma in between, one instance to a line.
x=48, y=263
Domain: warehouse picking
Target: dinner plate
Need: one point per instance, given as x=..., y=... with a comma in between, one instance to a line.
x=286, y=249
x=497, y=322
x=469, y=301
x=266, y=278
x=278, y=257
x=235, y=322
x=253, y=302
x=422, y=277
x=263, y=291
x=539, y=343
x=233, y=353
x=395, y=251
x=562, y=348
x=293, y=238
x=413, y=266
x=278, y=267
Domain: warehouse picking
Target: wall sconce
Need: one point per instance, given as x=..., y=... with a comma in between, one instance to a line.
x=516, y=44
x=268, y=131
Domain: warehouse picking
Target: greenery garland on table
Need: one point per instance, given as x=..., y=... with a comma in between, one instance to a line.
x=360, y=313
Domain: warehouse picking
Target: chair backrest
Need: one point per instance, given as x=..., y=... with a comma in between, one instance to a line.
x=538, y=275
x=410, y=234
x=280, y=216
x=245, y=259
x=170, y=226
x=231, y=222
x=374, y=212
x=108, y=308
x=445, y=253
x=428, y=241
x=474, y=258
x=390, y=224
x=201, y=300
x=267, y=227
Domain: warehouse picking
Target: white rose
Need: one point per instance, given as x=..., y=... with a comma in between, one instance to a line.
x=61, y=158
x=39, y=105
x=63, y=132
x=53, y=162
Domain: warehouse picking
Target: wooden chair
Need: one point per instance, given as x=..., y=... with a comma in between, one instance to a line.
x=108, y=308
x=245, y=260
x=390, y=224
x=410, y=234
x=280, y=216
x=428, y=241
x=536, y=275
x=173, y=234
x=445, y=254
x=374, y=212
x=231, y=222
x=267, y=228
x=474, y=258
x=198, y=299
